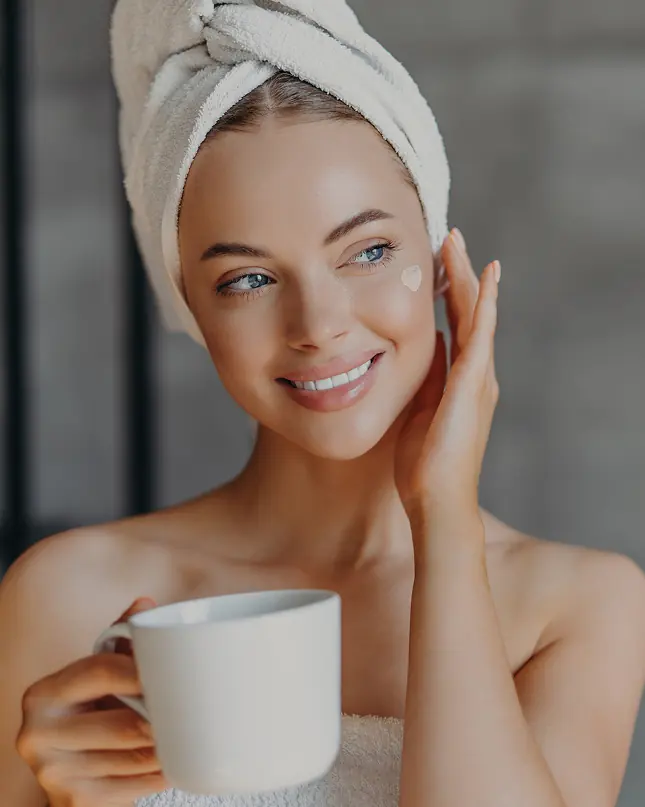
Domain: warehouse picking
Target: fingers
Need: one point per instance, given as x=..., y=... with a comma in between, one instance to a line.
x=431, y=392
x=123, y=645
x=469, y=306
x=84, y=680
x=114, y=729
x=133, y=788
x=461, y=296
x=118, y=790
x=140, y=604
x=95, y=764
x=481, y=345
x=90, y=757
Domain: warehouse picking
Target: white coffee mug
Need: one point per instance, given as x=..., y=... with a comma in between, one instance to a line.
x=243, y=691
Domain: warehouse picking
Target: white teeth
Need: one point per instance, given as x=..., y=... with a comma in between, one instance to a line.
x=335, y=380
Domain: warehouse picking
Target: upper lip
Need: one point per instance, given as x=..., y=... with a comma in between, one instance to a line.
x=341, y=364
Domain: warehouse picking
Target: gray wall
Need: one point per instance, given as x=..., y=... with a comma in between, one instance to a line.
x=542, y=107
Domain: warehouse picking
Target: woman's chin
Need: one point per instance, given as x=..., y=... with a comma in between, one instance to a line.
x=338, y=441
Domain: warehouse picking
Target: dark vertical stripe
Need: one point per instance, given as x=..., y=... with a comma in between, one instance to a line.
x=137, y=346
x=14, y=361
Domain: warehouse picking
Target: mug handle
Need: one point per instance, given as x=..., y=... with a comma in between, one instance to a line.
x=105, y=644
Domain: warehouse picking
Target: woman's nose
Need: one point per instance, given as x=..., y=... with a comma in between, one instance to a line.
x=318, y=312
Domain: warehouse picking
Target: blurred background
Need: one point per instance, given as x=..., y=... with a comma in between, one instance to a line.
x=542, y=107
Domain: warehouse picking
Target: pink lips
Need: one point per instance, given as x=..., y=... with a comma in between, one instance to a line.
x=337, y=398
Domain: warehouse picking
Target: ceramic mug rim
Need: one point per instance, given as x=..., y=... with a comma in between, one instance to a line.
x=304, y=601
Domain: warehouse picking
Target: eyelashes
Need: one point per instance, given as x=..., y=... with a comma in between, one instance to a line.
x=388, y=247
x=226, y=289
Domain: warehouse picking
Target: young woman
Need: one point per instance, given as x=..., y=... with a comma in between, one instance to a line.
x=517, y=664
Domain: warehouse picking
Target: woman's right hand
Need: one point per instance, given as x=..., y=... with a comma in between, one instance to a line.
x=86, y=748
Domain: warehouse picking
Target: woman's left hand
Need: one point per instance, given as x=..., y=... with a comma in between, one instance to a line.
x=441, y=446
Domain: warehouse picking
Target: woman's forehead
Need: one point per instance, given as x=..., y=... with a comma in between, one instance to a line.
x=303, y=170
x=291, y=151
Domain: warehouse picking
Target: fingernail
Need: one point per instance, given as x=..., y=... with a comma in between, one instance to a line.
x=498, y=270
x=457, y=233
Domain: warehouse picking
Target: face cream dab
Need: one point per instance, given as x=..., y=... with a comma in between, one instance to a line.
x=411, y=277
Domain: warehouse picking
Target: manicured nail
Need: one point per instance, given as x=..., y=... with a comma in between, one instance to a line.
x=497, y=270
x=457, y=233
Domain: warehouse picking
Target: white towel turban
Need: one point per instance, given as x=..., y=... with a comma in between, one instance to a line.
x=179, y=65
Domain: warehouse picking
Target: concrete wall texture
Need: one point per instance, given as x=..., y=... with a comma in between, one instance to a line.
x=542, y=107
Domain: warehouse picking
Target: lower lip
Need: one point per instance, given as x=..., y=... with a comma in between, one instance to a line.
x=331, y=400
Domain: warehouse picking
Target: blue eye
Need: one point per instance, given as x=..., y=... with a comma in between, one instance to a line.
x=380, y=248
x=381, y=254
x=245, y=284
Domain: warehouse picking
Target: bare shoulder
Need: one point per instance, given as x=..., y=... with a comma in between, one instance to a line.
x=102, y=562
x=55, y=552
x=109, y=565
x=573, y=587
x=80, y=575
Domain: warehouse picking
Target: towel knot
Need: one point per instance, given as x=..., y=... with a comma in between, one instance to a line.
x=224, y=32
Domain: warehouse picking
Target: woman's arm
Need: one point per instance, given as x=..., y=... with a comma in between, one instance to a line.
x=466, y=741
x=558, y=734
x=471, y=740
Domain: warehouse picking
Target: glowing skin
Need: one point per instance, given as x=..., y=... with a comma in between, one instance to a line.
x=411, y=277
x=318, y=491
x=283, y=189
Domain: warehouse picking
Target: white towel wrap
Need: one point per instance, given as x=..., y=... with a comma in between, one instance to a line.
x=366, y=774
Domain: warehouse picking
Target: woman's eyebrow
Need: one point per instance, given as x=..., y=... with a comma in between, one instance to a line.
x=233, y=248
x=373, y=214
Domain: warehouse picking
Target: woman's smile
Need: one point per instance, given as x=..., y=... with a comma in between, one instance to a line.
x=335, y=392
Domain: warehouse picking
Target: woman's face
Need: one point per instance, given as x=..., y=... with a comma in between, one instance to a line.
x=290, y=297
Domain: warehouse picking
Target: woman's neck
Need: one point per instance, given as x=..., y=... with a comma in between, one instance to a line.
x=327, y=517
x=322, y=515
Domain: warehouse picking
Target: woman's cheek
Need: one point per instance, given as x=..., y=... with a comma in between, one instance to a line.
x=397, y=303
x=240, y=351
